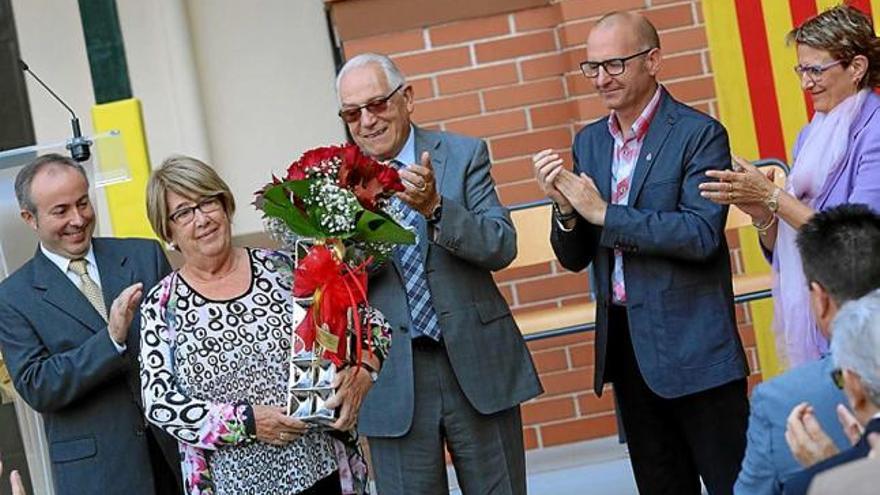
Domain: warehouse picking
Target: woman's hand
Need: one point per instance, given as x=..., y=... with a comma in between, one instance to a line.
x=276, y=427
x=744, y=186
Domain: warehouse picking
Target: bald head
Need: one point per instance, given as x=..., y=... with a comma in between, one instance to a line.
x=643, y=33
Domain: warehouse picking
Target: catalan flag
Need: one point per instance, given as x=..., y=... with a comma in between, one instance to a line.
x=759, y=96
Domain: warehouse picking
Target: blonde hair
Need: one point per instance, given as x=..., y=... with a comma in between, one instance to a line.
x=188, y=177
x=845, y=32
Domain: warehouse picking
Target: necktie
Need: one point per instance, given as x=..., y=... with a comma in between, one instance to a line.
x=424, y=318
x=88, y=286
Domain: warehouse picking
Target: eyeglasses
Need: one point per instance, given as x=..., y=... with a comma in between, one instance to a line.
x=837, y=377
x=185, y=215
x=375, y=107
x=612, y=66
x=815, y=72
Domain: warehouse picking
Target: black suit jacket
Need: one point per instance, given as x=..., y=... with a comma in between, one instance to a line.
x=64, y=364
x=800, y=482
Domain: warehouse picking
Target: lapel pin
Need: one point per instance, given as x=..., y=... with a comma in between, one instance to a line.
x=648, y=158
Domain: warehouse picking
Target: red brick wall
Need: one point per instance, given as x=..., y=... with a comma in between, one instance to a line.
x=514, y=80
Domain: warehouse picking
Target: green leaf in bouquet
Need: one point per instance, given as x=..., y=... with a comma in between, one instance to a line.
x=277, y=204
x=374, y=227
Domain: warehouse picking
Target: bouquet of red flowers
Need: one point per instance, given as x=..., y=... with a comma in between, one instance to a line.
x=333, y=210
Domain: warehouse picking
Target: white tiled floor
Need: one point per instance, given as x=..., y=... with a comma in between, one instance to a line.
x=597, y=467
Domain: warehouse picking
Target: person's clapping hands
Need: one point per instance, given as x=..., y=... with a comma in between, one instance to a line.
x=805, y=437
x=14, y=481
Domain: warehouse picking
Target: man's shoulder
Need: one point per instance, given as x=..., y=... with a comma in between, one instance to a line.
x=808, y=382
x=21, y=279
x=451, y=138
x=126, y=244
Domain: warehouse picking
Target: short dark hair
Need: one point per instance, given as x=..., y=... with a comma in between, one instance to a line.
x=839, y=249
x=25, y=177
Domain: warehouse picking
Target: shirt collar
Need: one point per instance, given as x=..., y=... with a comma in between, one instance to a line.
x=640, y=126
x=63, y=263
x=407, y=154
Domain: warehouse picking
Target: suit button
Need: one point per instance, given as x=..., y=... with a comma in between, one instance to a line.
x=139, y=431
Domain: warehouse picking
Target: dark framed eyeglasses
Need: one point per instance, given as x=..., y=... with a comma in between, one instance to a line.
x=184, y=216
x=837, y=377
x=815, y=72
x=375, y=107
x=612, y=66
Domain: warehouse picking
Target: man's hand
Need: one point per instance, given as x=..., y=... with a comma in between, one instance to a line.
x=547, y=165
x=352, y=385
x=851, y=427
x=421, y=188
x=276, y=427
x=14, y=481
x=583, y=195
x=122, y=312
x=874, y=442
x=808, y=442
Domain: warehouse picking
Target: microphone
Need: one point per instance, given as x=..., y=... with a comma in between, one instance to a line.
x=78, y=145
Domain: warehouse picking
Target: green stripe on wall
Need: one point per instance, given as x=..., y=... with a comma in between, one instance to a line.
x=105, y=49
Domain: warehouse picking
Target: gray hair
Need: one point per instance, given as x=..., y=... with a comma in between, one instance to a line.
x=393, y=75
x=855, y=344
x=25, y=177
x=845, y=32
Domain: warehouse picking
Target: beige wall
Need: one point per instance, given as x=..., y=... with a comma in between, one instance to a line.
x=246, y=86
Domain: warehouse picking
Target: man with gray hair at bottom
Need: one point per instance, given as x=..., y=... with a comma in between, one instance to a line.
x=458, y=367
x=855, y=350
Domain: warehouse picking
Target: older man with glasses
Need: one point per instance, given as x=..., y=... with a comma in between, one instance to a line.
x=666, y=333
x=855, y=350
x=458, y=366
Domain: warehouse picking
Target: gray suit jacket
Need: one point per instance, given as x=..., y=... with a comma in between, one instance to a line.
x=856, y=478
x=768, y=460
x=65, y=366
x=675, y=259
x=486, y=349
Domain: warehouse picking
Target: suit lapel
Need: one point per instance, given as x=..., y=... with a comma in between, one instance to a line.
x=61, y=293
x=114, y=271
x=430, y=142
x=657, y=133
x=605, y=154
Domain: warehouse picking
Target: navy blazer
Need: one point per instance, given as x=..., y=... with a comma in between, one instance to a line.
x=676, y=262
x=800, y=483
x=64, y=364
x=485, y=347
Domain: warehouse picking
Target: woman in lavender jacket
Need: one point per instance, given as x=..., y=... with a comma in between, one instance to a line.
x=836, y=160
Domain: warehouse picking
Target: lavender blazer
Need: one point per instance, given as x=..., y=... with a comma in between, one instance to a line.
x=857, y=178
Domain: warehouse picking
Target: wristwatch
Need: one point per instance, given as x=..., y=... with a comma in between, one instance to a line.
x=772, y=202
x=436, y=212
x=374, y=375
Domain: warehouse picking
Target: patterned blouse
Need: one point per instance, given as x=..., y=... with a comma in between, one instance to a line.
x=201, y=375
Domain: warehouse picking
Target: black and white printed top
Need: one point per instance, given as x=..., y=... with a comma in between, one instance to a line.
x=201, y=375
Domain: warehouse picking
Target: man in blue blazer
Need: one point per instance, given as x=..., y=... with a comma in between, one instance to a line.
x=69, y=334
x=852, y=234
x=855, y=350
x=458, y=367
x=666, y=333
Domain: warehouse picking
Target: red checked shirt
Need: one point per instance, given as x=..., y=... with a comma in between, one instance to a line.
x=626, y=153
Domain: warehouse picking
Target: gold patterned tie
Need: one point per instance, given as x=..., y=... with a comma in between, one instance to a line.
x=88, y=286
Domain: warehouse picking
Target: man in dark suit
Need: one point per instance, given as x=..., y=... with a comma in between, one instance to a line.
x=855, y=350
x=458, y=366
x=666, y=333
x=69, y=332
